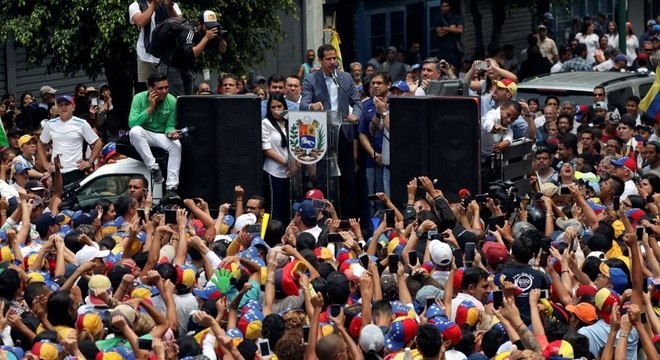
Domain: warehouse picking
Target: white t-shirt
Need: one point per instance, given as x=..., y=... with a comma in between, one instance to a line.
x=632, y=44
x=488, y=139
x=67, y=137
x=539, y=121
x=315, y=231
x=604, y=66
x=7, y=191
x=613, y=40
x=591, y=42
x=460, y=297
x=142, y=53
x=629, y=188
x=271, y=139
x=556, y=67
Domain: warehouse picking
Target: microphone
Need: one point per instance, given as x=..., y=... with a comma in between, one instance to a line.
x=351, y=102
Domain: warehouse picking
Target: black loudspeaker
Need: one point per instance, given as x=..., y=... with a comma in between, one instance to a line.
x=437, y=137
x=224, y=150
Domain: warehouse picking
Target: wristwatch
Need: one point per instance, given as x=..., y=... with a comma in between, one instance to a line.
x=419, y=233
x=382, y=115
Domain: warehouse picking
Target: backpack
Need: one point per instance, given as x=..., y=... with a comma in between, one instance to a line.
x=164, y=37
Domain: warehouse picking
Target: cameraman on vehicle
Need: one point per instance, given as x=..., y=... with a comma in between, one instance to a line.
x=190, y=42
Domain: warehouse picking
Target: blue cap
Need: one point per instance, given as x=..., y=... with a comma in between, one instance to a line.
x=306, y=211
x=656, y=28
x=621, y=57
x=210, y=292
x=401, y=85
x=109, y=150
x=415, y=67
x=13, y=352
x=618, y=279
x=258, y=241
x=66, y=98
x=434, y=311
x=46, y=220
x=21, y=167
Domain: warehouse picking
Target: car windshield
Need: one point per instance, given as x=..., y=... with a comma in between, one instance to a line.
x=107, y=187
x=577, y=97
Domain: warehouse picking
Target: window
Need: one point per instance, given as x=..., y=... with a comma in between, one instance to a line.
x=618, y=97
x=432, y=13
x=387, y=27
x=106, y=187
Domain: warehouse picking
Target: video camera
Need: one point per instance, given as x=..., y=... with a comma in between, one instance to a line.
x=506, y=193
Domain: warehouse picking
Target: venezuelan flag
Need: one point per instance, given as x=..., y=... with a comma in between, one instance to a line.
x=651, y=102
x=336, y=41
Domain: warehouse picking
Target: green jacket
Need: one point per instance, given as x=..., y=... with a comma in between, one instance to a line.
x=162, y=120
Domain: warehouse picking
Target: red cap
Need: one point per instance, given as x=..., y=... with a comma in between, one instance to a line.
x=463, y=193
x=585, y=290
x=655, y=339
x=496, y=253
x=315, y=194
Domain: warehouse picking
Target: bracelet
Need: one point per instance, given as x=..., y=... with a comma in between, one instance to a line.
x=565, y=271
x=519, y=325
x=623, y=334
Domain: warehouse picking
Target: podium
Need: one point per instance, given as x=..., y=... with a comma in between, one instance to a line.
x=313, y=144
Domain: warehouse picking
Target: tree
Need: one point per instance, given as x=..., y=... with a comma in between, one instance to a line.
x=94, y=36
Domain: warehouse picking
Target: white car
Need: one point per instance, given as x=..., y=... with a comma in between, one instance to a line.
x=109, y=182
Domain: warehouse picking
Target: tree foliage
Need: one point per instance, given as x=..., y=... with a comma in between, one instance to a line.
x=94, y=35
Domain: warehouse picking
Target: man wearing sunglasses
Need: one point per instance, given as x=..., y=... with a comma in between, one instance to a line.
x=599, y=95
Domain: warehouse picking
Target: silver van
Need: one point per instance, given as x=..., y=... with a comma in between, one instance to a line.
x=578, y=87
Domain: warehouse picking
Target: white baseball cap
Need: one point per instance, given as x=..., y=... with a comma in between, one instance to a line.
x=88, y=253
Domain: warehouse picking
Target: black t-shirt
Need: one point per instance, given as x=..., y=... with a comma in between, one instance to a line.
x=526, y=279
x=447, y=43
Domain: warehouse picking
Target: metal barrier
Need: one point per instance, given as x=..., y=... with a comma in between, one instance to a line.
x=515, y=164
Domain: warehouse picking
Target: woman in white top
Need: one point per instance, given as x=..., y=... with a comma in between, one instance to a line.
x=274, y=143
x=632, y=44
x=589, y=38
x=612, y=35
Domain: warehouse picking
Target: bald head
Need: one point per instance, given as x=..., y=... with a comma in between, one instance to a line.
x=329, y=346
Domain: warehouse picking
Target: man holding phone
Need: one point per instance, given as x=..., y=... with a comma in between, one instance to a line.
x=152, y=121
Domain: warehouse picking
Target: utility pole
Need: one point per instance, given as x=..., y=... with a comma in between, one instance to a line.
x=622, y=17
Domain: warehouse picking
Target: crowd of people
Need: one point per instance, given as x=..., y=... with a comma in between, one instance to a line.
x=568, y=271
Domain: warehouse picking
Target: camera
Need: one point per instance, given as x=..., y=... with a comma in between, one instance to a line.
x=506, y=194
x=222, y=33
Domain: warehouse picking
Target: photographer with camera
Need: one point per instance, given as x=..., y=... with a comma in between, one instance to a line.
x=189, y=42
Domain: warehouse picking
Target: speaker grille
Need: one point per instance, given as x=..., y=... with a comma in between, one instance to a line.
x=437, y=137
x=225, y=149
